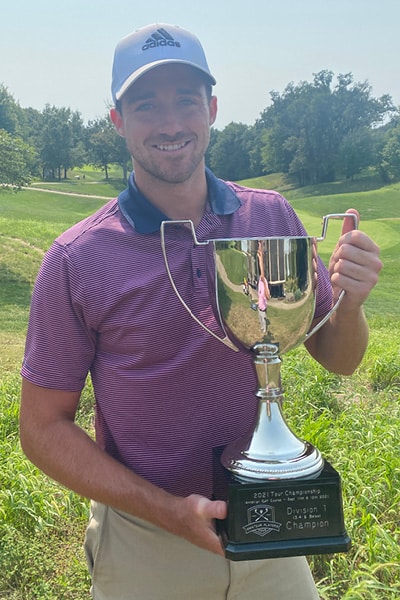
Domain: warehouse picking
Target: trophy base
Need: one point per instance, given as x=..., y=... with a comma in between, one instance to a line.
x=262, y=550
x=277, y=518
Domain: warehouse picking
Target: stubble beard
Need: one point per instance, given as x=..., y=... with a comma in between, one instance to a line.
x=172, y=170
x=172, y=174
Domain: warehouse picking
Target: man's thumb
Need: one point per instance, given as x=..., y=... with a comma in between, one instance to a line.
x=350, y=223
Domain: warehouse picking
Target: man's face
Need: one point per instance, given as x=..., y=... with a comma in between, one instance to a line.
x=166, y=118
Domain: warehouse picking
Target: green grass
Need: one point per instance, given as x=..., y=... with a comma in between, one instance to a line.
x=353, y=420
x=38, y=207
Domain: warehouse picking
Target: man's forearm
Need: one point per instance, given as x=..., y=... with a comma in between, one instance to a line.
x=68, y=455
x=61, y=449
x=341, y=343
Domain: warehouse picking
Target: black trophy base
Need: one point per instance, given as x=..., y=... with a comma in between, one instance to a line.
x=277, y=518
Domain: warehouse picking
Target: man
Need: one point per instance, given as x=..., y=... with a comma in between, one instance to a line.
x=167, y=392
x=263, y=292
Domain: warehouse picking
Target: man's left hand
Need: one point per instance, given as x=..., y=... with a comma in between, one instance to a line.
x=354, y=265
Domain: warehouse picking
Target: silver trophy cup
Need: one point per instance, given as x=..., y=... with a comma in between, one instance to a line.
x=284, y=499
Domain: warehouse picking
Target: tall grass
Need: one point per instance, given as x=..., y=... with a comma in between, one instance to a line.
x=355, y=423
x=353, y=420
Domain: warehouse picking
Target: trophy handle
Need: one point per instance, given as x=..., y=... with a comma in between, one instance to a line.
x=226, y=340
x=334, y=308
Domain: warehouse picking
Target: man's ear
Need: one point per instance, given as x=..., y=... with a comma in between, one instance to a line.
x=118, y=122
x=213, y=109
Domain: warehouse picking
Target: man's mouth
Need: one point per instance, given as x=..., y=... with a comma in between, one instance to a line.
x=171, y=147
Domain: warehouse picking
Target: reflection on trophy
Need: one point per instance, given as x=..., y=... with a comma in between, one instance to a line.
x=284, y=499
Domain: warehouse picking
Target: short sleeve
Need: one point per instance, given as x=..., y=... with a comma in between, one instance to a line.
x=59, y=346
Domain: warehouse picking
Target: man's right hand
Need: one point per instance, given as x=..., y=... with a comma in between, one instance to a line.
x=196, y=521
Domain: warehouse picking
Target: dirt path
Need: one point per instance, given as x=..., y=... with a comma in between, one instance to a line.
x=38, y=189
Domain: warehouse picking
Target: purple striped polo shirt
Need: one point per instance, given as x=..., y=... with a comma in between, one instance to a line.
x=167, y=392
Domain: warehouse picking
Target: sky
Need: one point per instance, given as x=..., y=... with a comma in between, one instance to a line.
x=60, y=52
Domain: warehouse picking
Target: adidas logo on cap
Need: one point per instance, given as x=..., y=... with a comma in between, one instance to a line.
x=161, y=37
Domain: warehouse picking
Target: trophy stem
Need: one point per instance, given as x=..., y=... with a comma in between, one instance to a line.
x=271, y=450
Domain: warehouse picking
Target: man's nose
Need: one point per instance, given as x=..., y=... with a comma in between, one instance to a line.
x=170, y=121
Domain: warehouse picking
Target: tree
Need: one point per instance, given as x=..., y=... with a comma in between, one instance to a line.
x=255, y=151
x=214, y=135
x=122, y=156
x=16, y=160
x=355, y=152
x=230, y=154
x=9, y=112
x=75, y=154
x=106, y=147
x=390, y=155
x=307, y=124
x=61, y=141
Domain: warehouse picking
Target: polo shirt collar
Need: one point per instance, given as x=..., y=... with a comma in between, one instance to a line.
x=147, y=218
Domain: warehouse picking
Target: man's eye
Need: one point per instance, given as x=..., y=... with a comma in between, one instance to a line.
x=187, y=101
x=144, y=106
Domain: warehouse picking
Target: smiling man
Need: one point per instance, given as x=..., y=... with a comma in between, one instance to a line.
x=166, y=118
x=167, y=393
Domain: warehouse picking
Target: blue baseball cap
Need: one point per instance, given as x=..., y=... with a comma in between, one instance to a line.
x=150, y=47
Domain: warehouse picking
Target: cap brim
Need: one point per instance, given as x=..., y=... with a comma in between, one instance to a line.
x=146, y=68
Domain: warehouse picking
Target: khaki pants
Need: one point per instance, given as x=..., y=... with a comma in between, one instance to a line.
x=131, y=559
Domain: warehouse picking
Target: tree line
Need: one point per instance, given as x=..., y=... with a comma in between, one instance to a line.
x=315, y=132
x=49, y=143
